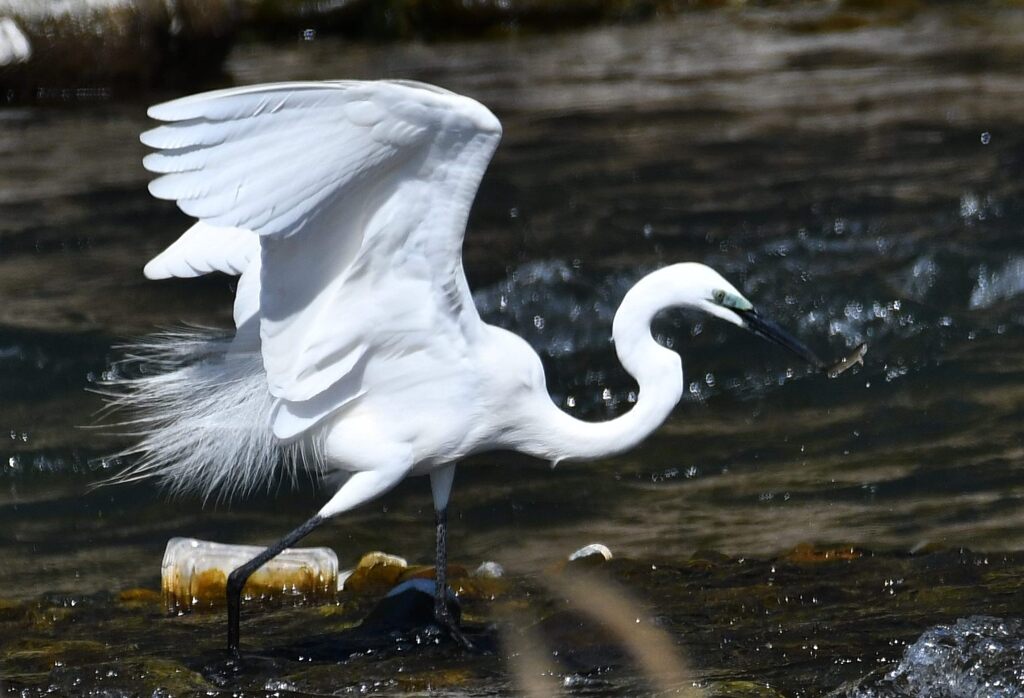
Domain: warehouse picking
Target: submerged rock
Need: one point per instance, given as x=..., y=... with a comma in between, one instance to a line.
x=580, y=643
x=807, y=553
x=140, y=597
x=408, y=605
x=740, y=689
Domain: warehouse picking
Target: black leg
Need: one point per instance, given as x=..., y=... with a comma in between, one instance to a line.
x=238, y=576
x=441, y=612
x=441, y=566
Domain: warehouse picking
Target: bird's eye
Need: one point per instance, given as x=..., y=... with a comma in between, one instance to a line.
x=718, y=296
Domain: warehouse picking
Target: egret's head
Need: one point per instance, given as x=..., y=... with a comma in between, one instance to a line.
x=707, y=290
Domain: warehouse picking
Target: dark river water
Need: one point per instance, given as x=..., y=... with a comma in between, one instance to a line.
x=858, y=184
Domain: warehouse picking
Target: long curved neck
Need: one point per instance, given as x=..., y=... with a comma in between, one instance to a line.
x=657, y=370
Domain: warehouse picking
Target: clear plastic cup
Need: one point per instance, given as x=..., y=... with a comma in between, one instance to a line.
x=194, y=575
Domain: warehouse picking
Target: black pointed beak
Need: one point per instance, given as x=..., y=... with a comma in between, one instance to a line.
x=766, y=329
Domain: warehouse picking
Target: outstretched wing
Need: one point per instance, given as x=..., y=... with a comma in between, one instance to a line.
x=359, y=194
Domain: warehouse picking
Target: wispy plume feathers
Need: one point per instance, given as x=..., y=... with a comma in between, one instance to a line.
x=198, y=404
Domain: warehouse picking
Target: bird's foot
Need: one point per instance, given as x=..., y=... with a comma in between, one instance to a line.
x=449, y=626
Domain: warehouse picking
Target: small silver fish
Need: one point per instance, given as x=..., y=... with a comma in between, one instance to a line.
x=842, y=366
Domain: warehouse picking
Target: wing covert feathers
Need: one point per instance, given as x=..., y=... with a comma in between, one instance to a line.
x=357, y=196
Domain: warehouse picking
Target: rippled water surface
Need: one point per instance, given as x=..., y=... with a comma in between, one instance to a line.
x=863, y=184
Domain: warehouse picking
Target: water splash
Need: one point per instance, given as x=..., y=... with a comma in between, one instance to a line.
x=993, y=287
x=554, y=306
x=976, y=656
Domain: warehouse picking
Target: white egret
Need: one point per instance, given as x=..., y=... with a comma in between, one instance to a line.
x=358, y=351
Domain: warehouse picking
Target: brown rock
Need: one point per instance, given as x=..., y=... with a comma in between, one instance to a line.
x=375, y=572
x=805, y=552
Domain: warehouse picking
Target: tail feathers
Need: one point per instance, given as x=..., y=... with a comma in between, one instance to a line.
x=200, y=410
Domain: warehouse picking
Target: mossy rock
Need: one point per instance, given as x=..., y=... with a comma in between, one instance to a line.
x=376, y=572
x=140, y=598
x=741, y=689
x=172, y=676
x=39, y=655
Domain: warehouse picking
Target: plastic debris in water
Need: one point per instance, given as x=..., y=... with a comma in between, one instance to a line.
x=843, y=365
x=194, y=574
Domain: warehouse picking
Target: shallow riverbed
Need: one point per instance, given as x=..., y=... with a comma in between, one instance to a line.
x=860, y=183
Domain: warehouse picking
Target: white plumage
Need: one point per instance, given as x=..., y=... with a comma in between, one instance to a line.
x=358, y=349
x=200, y=410
x=343, y=205
x=203, y=249
x=338, y=180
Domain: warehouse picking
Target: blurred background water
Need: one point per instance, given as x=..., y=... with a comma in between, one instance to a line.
x=859, y=180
